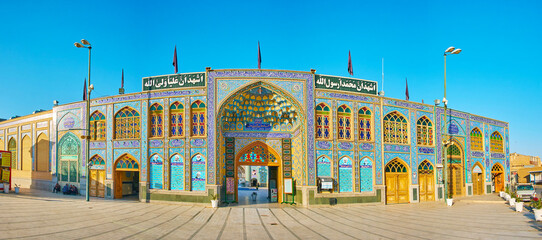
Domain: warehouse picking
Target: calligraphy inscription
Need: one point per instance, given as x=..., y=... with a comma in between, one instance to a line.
x=174, y=81
x=346, y=84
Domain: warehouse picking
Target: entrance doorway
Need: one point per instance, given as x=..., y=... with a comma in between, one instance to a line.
x=258, y=175
x=427, y=181
x=396, y=182
x=97, y=176
x=477, y=180
x=126, y=177
x=497, y=175
x=456, y=183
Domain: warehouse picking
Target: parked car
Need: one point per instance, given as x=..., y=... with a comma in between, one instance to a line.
x=526, y=192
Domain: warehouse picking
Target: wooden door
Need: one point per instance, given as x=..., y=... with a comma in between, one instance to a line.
x=477, y=186
x=391, y=188
x=118, y=184
x=455, y=182
x=402, y=188
x=422, y=178
x=93, y=182
x=427, y=187
x=499, y=182
x=100, y=191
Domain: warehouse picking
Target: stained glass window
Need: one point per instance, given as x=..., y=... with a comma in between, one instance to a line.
x=344, y=120
x=424, y=131
x=97, y=126
x=198, y=119
x=496, y=142
x=496, y=168
x=127, y=163
x=454, y=154
x=323, y=124
x=157, y=120
x=395, y=128
x=258, y=154
x=365, y=124
x=395, y=166
x=97, y=162
x=425, y=168
x=127, y=124
x=177, y=119
x=476, y=139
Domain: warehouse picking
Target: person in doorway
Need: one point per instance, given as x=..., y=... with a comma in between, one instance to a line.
x=65, y=189
x=254, y=177
x=56, y=189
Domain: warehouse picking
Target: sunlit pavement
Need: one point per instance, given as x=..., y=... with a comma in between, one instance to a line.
x=42, y=215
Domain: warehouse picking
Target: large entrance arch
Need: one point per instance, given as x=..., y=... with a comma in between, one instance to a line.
x=497, y=175
x=261, y=112
x=126, y=176
x=456, y=169
x=260, y=154
x=69, y=160
x=477, y=179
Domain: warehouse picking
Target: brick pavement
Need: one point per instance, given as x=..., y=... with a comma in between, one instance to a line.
x=42, y=215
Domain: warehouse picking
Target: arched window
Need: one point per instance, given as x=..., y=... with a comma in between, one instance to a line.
x=198, y=119
x=424, y=131
x=156, y=172
x=365, y=124
x=496, y=142
x=345, y=175
x=69, y=151
x=177, y=119
x=476, y=140
x=323, y=130
x=97, y=162
x=323, y=167
x=177, y=172
x=157, y=120
x=365, y=175
x=344, y=120
x=127, y=124
x=198, y=173
x=395, y=128
x=97, y=126
x=12, y=147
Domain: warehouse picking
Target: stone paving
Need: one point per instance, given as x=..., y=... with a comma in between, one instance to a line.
x=41, y=215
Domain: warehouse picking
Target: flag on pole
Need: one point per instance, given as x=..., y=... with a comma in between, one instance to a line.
x=85, y=90
x=259, y=57
x=350, y=68
x=122, y=81
x=175, y=60
x=406, y=92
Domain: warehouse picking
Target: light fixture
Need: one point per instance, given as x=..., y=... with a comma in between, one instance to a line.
x=437, y=102
x=456, y=51
x=450, y=49
x=78, y=45
x=85, y=42
x=91, y=87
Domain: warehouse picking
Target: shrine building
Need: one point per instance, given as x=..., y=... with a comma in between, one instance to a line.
x=187, y=137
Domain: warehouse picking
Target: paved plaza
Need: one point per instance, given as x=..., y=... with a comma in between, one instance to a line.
x=41, y=215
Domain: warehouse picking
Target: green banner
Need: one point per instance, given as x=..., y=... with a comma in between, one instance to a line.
x=346, y=84
x=182, y=80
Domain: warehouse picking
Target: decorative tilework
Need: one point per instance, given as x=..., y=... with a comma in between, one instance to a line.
x=240, y=143
x=176, y=143
x=198, y=173
x=408, y=105
x=135, y=152
x=323, y=167
x=366, y=175
x=126, y=144
x=378, y=147
x=366, y=146
x=397, y=148
x=177, y=172
x=144, y=146
x=426, y=150
x=145, y=96
x=109, y=158
x=297, y=155
x=230, y=157
x=156, y=172
x=497, y=155
x=323, y=145
x=197, y=142
x=156, y=151
x=98, y=144
x=388, y=109
x=413, y=153
x=347, y=96
x=345, y=145
x=173, y=151
x=256, y=135
x=477, y=154
x=345, y=175
x=390, y=156
x=227, y=86
x=156, y=143
x=135, y=105
x=286, y=158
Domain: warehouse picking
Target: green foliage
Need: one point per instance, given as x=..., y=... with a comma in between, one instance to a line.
x=507, y=190
x=213, y=196
x=536, y=203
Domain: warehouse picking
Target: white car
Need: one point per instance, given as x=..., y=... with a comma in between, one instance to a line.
x=526, y=192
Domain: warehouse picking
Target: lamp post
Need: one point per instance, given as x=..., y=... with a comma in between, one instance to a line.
x=85, y=44
x=450, y=50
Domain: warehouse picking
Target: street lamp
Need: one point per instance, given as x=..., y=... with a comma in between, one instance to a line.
x=450, y=50
x=85, y=44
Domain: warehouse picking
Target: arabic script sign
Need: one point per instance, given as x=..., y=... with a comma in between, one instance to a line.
x=174, y=81
x=346, y=84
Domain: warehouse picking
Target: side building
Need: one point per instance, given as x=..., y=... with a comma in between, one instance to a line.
x=185, y=137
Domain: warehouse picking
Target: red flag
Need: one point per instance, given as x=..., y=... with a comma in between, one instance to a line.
x=259, y=57
x=85, y=90
x=350, y=68
x=175, y=59
x=122, y=83
x=406, y=92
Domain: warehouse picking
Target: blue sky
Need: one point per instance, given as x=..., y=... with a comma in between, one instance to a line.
x=496, y=75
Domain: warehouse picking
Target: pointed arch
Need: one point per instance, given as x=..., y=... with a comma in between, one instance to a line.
x=156, y=115
x=42, y=153
x=477, y=179
x=156, y=171
x=426, y=181
x=69, y=151
x=365, y=175
x=177, y=172
x=345, y=174
x=127, y=124
x=176, y=111
x=12, y=147
x=323, y=166
x=198, y=118
x=365, y=121
x=476, y=140
x=323, y=121
x=258, y=153
x=396, y=165
x=126, y=162
x=344, y=122
x=496, y=142
x=424, y=131
x=397, y=181
x=97, y=126
x=97, y=162
x=395, y=128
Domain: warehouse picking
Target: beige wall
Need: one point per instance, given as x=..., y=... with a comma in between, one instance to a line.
x=520, y=160
x=42, y=152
